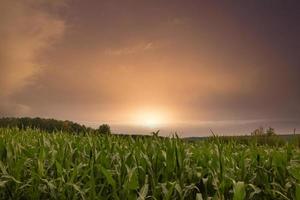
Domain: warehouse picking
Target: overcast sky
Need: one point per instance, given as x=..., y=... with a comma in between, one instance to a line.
x=187, y=65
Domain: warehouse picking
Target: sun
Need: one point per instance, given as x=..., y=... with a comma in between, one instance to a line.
x=150, y=119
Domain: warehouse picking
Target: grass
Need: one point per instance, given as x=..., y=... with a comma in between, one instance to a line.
x=38, y=165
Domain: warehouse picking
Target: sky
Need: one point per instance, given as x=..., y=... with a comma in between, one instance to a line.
x=139, y=65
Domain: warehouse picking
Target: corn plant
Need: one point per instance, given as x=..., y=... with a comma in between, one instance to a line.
x=39, y=165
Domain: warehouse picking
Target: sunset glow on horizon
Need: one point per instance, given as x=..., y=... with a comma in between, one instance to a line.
x=168, y=65
x=150, y=118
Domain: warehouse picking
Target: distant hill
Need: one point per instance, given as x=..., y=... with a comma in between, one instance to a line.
x=48, y=125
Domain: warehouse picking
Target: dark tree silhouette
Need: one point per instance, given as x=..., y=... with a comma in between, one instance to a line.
x=104, y=129
x=48, y=125
x=270, y=131
x=262, y=132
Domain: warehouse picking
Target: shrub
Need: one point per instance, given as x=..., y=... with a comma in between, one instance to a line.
x=104, y=129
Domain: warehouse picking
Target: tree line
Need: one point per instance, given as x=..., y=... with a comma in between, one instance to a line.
x=51, y=125
x=262, y=132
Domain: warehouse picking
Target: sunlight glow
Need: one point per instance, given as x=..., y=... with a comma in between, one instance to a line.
x=150, y=119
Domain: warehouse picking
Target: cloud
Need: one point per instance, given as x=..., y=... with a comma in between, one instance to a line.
x=141, y=47
x=8, y=108
x=179, y=21
x=27, y=29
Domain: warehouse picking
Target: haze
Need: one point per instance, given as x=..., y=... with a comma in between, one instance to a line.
x=143, y=65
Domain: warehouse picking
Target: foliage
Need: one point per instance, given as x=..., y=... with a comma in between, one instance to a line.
x=270, y=131
x=274, y=140
x=260, y=132
x=48, y=125
x=37, y=165
x=104, y=129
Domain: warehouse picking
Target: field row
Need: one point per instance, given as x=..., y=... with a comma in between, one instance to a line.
x=37, y=165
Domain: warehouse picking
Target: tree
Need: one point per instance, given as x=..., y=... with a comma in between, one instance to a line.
x=104, y=129
x=48, y=125
x=261, y=132
x=270, y=131
x=258, y=131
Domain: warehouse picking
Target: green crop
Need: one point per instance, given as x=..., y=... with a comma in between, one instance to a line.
x=38, y=165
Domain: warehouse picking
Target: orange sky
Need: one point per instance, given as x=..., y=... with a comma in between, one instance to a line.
x=144, y=65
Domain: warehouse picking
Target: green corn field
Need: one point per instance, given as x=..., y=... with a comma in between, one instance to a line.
x=39, y=165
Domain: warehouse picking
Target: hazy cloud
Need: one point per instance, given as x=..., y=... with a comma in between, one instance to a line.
x=9, y=108
x=200, y=64
x=179, y=21
x=27, y=29
x=138, y=48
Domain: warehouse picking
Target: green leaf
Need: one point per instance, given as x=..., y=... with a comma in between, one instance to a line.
x=297, y=192
x=257, y=190
x=108, y=176
x=77, y=188
x=59, y=168
x=133, y=182
x=170, y=191
x=2, y=183
x=295, y=171
x=199, y=196
x=144, y=190
x=239, y=191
